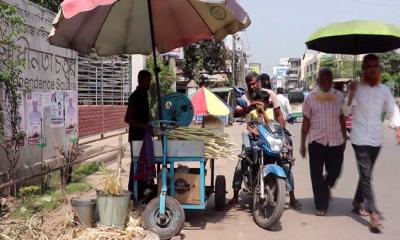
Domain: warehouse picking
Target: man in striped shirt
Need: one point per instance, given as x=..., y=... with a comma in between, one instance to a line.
x=324, y=127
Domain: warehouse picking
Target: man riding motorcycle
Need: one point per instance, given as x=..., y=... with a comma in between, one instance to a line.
x=257, y=98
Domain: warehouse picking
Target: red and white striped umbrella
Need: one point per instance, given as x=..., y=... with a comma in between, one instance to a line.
x=125, y=26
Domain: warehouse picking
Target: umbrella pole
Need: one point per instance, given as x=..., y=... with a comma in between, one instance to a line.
x=354, y=68
x=156, y=69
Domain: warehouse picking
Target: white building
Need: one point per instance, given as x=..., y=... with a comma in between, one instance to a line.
x=284, y=62
x=279, y=74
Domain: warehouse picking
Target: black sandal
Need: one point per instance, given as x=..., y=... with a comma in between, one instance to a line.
x=320, y=213
x=296, y=205
x=360, y=210
x=376, y=226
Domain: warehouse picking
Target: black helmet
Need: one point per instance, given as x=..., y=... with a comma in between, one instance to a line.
x=265, y=80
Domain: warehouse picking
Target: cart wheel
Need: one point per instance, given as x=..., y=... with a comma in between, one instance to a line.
x=220, y=192
x=168, y=226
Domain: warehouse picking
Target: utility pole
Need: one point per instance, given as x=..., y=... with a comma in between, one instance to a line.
x=233, y=60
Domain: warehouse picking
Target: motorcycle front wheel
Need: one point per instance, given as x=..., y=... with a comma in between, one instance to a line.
x=268, y=211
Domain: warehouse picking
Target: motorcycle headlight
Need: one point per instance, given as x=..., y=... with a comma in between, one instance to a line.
x=276, y=144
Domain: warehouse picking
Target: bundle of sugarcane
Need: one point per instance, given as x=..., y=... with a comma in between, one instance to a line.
x=134, y=230
x=111, y=184
x=30, y=229
x=216, y=145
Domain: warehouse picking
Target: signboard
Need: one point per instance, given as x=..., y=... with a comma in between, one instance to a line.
x=279, y=74
x=255, y=67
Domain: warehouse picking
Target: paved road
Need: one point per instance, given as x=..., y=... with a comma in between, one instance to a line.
x=237, y=223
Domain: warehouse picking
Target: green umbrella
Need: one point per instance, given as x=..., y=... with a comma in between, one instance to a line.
x=355, y=37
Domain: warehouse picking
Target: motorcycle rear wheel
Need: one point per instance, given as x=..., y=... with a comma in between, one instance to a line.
x=267, y=212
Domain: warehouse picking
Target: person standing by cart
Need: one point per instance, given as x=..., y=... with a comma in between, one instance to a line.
x=369, y=100
x=324, y=126
x=138, y=117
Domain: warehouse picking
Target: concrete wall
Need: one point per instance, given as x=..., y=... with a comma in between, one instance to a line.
x=138, y=63
x=97, y=119
x=48, y=68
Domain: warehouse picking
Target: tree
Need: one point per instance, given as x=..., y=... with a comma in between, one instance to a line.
x=329, y=62
x=342, y=67
x=386, y=77
x=214, y=56
x=390, y=64
x=52, y=5
x=191, y=63
x=209, y=56
x=10, y=69
x=167, y=78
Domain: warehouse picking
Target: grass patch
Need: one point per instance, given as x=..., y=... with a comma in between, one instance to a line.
x=77, y=187
x=29, y=191
x=84, y=170
x=35, y=204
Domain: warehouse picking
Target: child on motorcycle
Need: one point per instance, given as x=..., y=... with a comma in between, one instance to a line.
x=260, y=115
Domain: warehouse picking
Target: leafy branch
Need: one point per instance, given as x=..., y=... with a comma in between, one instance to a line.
x=11, y=26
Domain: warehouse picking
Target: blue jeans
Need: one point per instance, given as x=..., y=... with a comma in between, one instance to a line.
x=289, y=181
x=366, y=157
x=246, y=139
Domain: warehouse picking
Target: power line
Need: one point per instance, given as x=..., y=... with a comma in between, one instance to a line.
x=374, y=3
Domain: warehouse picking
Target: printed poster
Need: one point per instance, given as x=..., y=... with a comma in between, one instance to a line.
x=7, y=119
x=57, y=109
x=34, y=117
x=71, y=112
x=46, y=99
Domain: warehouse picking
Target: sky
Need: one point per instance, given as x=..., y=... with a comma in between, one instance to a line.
x=280, y=27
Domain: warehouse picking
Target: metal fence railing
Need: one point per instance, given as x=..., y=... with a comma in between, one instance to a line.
x=104, y=81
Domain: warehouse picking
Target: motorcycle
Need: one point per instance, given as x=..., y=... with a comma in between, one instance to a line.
x=270, y=160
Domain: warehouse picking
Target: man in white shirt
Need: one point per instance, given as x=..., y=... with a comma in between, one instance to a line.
x=370, y=99
x=286, y=109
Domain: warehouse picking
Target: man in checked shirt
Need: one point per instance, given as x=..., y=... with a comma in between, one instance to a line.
x=325, y=129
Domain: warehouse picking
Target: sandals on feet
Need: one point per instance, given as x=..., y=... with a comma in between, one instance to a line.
x=376, y=226
x=360, y=210
x=296, y=205
x=320, y=213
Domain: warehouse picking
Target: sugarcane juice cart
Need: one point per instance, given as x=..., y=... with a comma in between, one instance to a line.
x=165, y=214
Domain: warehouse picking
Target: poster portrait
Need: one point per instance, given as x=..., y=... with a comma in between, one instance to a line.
x=56, y=109
x=71, y=112
x=7, y=118
x=34, y=116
